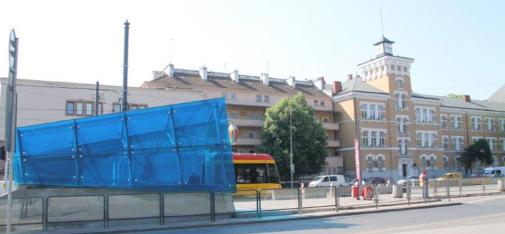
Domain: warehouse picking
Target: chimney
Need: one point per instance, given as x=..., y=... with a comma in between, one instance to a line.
x=265, y=79
x=203, y=73
x=234, y=76
x=337, y=87
x=320, y=83
x=467, y=98
x=349, y=77
x=291, y=81
x=171, y=70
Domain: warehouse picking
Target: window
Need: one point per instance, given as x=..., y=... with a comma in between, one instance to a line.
x=373, y=138
x=457, y=143
x=445, y=142
x=116, y=107
x=266, y=99
x=456, y=121
x=402, y=149
x=404, y=69
x=502, y=124
x=446, y=162
x=315, y=102
x=252, y=135
x=70, y=108
x=89, y=108
x=400, y=101
x=392, y=67
x=258, y=98
x=426, y=139
x=399, y=68
x=476, y=122
x=490, y=124
x=423, y=161
x=380, y=163
x=402, y=122
x=495, y=160
x=492, y=143
x=369, y=160
x=364, y=138
x=322, y=103
x=79, y=110
x=503, y=144
x=433, y=162
x=399, y=84
x=443, y=121
x=425, y=115
x=372, y=111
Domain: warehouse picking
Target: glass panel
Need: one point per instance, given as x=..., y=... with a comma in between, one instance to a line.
x=83, y=208
x=134, y=206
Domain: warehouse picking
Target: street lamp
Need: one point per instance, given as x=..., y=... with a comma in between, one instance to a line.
x=291, y=168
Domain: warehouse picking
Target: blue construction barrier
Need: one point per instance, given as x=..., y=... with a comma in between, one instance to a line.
x=182, y=147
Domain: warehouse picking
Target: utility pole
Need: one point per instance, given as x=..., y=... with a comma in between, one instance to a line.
x=125, y=67
x=97, y=98
x=291, y=169
x=10, y=122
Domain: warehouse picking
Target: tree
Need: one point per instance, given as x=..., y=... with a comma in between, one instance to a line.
x=309, y=137
x=478, y=151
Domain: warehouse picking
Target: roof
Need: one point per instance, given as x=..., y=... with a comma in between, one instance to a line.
x=460, y=103
x=358, y=85
x=384, y=40
x=498, y=96
x=190, y=79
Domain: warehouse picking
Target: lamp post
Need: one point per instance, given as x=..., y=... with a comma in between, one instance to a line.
x=291, y=169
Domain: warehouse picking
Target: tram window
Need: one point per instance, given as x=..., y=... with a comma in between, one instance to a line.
x=250, y=173
x=273, y=175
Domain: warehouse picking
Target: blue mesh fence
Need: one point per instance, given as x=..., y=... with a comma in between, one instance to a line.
x=182, y=147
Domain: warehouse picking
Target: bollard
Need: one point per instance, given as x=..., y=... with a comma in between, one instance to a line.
x=483, y=186
x=435, y=185
x=408, y=192
x=336, y=200
x=45, y=205
x=500, y=185
x=300, y=208
x=212, y=207
x=376, y=196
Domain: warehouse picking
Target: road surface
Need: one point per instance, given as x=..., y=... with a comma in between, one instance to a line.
x=480, y=215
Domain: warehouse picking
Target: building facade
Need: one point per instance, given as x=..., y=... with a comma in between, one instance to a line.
x=247, y=98
x=401, y=132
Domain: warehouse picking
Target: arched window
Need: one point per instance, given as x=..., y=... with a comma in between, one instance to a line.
x=433, y=162
x=446, y=162
x=423, y=161
x=380, y=163
x=369, y=160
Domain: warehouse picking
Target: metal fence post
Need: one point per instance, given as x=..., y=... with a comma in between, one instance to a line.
x=45, y=214
x=259, y=204
x=258, y=209
x=106, y=211
x=300, y=204
x=212, y=207
x=376, y=196
x=408, y=192
x=483, y=186
x=460, y=184
x=336, y=200
x=435, y=184
x=448, y=190
x=162, y=208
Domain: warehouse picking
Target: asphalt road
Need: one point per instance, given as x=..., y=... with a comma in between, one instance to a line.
x=481, y=215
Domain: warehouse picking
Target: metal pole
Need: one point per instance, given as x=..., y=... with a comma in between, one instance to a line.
x=97, y=98
x=336, y=200
x=291, y=147
x=10, y=122
x=125, y=67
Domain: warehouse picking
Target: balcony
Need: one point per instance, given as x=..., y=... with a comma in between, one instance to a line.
x=247, y=141
x=246, y=122
x=334, y=143
x=331, y=126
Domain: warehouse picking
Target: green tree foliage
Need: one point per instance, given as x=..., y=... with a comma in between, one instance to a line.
x=309, y=138
x=478, y=151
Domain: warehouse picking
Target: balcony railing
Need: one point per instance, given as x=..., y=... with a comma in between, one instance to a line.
x=334, y=143
x=247, y=141
x=331, y=126
x=246, y=122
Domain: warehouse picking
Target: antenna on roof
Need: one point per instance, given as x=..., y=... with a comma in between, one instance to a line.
x=171, y=50
x=382, y=24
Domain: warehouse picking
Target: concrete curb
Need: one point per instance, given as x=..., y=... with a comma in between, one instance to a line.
x=167, y=228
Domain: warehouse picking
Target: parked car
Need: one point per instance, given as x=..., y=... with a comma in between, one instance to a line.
x=413, y=180
x=494, y=172
x=327, y=180
x=376, y=180
x=451, y=176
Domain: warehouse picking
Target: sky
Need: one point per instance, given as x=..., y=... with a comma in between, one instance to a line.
x=458, y=45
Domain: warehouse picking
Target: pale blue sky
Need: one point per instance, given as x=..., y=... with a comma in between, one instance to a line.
x=457, y=45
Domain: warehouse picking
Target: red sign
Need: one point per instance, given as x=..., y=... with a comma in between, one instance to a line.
x=356, y=160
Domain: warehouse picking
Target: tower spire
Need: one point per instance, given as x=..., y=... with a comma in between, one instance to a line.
x=382, y=24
